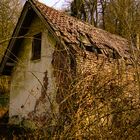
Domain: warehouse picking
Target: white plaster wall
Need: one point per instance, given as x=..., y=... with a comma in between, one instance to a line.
x=27, y=76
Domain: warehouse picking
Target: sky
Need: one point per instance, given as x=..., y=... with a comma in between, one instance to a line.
x=54, y=3
x=57, y=4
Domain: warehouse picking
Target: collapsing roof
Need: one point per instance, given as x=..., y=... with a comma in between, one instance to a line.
x=75, y=31
x=66, y=28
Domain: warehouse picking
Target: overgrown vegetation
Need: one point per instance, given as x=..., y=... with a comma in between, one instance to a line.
x=99, y=101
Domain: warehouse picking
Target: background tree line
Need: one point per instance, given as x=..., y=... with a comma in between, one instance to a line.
x=9, y=13
x=8, y=17
x=120, y=17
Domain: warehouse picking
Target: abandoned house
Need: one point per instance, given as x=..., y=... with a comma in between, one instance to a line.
x=47, y=52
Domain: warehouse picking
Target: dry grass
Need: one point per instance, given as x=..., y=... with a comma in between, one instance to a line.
x=98, y=99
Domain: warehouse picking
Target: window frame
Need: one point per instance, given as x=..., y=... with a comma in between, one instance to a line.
x=36, y=46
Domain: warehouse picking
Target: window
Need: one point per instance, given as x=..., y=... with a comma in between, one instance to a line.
x=93, y=48
x=36, y=47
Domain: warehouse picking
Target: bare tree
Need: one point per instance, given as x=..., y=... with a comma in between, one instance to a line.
x=121, y=17
x=9, y=12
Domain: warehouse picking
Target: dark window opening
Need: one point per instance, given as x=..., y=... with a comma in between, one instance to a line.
x=36, y=47
x=73, y=62
x=93, y=49
x=115, y=54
